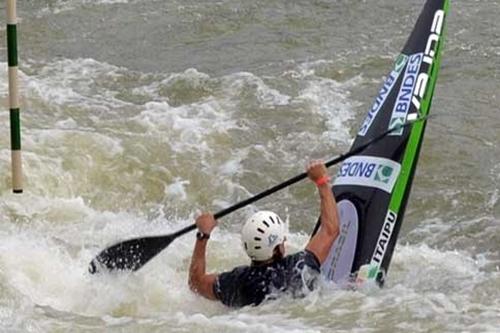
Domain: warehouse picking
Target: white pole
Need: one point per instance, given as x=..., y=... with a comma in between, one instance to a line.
x=15, y=122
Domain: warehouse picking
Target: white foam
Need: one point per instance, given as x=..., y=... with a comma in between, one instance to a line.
x=329, y=98
x=171, y=160
x=188, y=126
x=245, y=82
x=36, y=266
x=60, y=6
x=243, y=322
x=422, y=261
x=177, y=189
x=71, y=83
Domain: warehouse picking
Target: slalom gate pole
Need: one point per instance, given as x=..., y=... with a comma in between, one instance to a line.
x=15, y=122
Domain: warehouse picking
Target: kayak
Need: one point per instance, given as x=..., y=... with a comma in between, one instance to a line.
x=372, y=189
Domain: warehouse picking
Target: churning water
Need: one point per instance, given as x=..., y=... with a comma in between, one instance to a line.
x=139, y=114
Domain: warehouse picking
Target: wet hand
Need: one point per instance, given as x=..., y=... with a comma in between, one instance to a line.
x=316, y=170
x=206, y=223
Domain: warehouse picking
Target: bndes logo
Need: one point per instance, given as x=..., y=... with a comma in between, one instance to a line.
x=384, y=174
x=389, y=83
x=369, y=171
x=403, y=100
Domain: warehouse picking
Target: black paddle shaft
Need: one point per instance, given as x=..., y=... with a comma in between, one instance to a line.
x=303, y=175
x=134, y=253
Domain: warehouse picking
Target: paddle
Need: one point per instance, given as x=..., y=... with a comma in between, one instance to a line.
x=134, y=253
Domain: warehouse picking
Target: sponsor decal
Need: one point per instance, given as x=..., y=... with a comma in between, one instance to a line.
x=369, y=171
x=338, y=264
x=389, y=83
x=340, y=244
x=383, y=238
x=403, y=100
x=272, y=238
x=429, y=54
x=367, y=272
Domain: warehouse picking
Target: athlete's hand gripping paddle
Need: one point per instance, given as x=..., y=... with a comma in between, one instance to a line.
x=134, y=253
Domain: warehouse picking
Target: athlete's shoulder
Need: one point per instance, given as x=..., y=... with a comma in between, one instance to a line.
x=306, y=257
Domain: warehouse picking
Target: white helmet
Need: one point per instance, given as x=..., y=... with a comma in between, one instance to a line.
x=261, y=233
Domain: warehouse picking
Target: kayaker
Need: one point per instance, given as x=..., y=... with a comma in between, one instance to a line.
x=270, y=272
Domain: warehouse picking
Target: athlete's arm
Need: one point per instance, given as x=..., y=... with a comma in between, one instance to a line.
x=322, y=241
x=199, y=281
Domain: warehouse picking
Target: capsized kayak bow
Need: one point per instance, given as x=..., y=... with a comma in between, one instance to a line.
x=372, y=189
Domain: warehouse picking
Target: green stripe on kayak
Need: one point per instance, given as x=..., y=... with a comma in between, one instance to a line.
x=418, y=128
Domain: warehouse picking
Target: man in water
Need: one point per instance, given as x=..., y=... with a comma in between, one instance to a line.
x=263, y=237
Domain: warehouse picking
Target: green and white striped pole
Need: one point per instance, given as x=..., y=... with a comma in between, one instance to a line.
x=15, y=122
